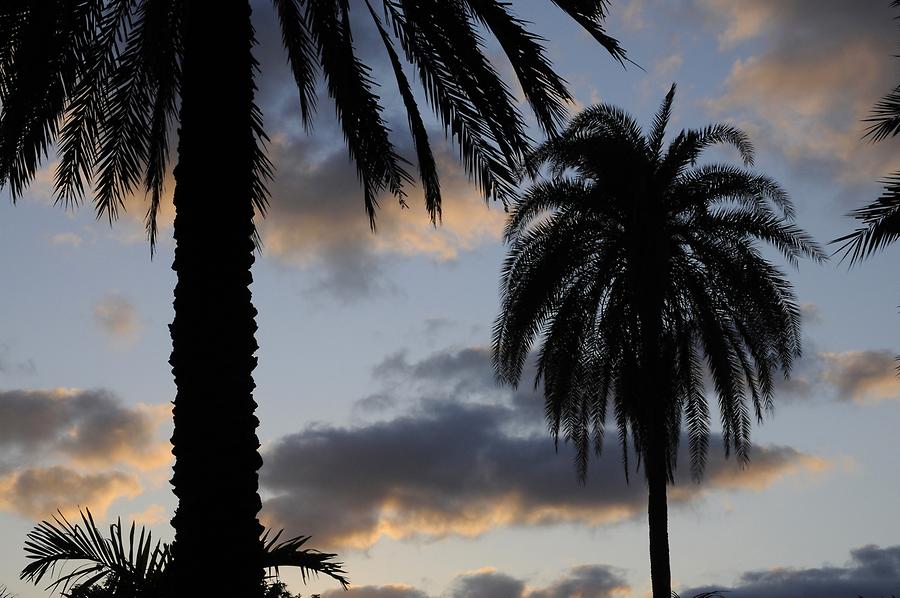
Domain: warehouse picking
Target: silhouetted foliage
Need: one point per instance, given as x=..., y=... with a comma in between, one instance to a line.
x=881, y=218
x=4, y=593
x=102, y=81
x=131, y=565
x=633, y=265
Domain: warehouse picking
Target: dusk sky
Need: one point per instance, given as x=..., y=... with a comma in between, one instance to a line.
x=385, y=435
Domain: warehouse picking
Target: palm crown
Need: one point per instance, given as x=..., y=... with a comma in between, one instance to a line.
x=626, y=239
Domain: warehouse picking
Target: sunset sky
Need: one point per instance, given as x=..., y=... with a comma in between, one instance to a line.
x=384, y=433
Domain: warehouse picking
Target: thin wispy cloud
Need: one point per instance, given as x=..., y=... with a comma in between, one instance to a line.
x=118, y=318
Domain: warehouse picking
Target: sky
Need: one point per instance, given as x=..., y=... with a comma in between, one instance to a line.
x=384, y=434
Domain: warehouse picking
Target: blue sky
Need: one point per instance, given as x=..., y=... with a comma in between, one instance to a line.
x=373, y=355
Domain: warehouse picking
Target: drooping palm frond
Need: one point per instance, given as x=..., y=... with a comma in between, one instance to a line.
x=5, y=593
x=135, y=565
x=885, y=119
x=880, y=224
x=290, y=553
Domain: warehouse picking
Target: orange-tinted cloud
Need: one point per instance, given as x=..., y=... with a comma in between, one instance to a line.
x=822, y=67
x=862, y=375
x=118, y=317
x=38, y=492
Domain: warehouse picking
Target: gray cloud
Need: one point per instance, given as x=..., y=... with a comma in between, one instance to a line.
x=871, y=572
x=451, y=468
x=586, y=581
x=89, y=427
x=62, y=449
x=117, y=317
x=488, y=584
x=463, y=375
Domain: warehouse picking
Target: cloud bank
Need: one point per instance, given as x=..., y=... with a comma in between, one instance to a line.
x=870, y=572
x=64, y=449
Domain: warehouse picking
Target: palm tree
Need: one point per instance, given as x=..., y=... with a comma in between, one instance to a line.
x=101, y=80
x=881, y=218
x=138, y=568
x=633, y=265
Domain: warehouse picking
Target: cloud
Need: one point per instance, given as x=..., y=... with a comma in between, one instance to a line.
x=317, y=220
x=118, y=318
x=66, y=448
x=585, y=581
x=861, y=376
x=454, y=469
x=38, y=492
x=90, y=428
x=823, y=65
x=871, y=572
x=153, y=514
x=70, y=239
x=388, y=591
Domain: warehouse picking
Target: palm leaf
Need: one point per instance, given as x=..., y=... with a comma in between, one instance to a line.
x=880, y=225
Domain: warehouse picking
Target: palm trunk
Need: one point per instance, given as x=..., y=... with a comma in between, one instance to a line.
x=217, y=533
x=657, y=511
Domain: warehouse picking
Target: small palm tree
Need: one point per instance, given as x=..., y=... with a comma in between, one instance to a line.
x=111, y=567
x=634, y=265
x=881, y=218
x=103, y=80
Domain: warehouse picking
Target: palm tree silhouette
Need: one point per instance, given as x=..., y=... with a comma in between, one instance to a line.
x=633, y=265
x=103, y=79
x=881, y=218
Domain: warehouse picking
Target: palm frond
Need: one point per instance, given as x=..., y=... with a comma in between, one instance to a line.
x=351, y=86
x=428, y=174
x=590, y=14
x=136, y=564
x=290, y=553
x=660, y=121
x=880, y=225
x=543, y=88
x=885, y=118
x=302, y=55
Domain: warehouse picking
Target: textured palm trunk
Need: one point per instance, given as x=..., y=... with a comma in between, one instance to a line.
x=217, y=533
x=658, y=516
x=650, y=301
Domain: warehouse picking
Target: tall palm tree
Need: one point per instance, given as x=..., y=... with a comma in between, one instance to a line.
x=881, y=218
x=137, y=568
x=103, y=79
x=633, y=265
